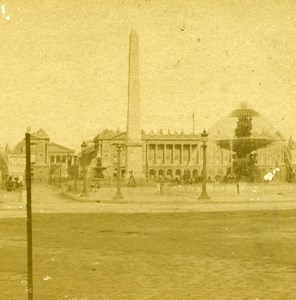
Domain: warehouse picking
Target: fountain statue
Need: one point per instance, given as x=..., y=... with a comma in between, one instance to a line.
x=95, y=169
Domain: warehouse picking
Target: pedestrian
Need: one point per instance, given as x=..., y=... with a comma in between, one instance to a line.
x=9, y=184
x=16, y=182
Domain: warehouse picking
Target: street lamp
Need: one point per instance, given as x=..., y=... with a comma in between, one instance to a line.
x=204, y=194
x=146, y=162
x=118, y=195
x=69, y=163
x=60, y=175
x=84, y=192
x=54, y=174
x=75, y=173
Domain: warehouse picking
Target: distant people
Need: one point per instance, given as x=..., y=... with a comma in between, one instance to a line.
x=16, y=182
x=21, y=184
x=9, y=184
x=186, y=177
x=268, y=177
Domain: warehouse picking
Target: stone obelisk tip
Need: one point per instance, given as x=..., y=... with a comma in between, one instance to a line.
x=133, y=32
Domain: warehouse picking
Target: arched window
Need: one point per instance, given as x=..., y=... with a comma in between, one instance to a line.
x=160, y=172
x=195, y=173
x=152, y=173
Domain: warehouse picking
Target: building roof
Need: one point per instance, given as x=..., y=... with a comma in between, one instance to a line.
x=148, y=136
x=54, y=147
x=40, y=135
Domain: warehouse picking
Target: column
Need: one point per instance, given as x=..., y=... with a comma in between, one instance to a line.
x=173, y=153
x=190, y=153
x=164, y=154
x=155, y=155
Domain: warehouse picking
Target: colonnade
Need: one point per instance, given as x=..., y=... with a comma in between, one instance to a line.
x=173, y=154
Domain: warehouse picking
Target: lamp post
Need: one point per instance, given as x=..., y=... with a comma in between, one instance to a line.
x=60, y=175
x=84, y=192
x=69, y=163
x=146, y=161
x=204, y=194
x=75, y=174
x=54, y=175
x=118, y=195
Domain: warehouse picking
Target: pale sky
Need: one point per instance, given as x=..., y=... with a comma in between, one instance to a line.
x=64, y=64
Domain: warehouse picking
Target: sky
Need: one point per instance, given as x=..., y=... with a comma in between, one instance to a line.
x=64, y=64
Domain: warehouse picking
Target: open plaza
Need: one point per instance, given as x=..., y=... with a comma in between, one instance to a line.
x=149, y=150
x=152, y=246
x=151, y=216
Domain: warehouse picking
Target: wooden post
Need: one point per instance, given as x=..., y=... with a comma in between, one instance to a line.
x=29, y=217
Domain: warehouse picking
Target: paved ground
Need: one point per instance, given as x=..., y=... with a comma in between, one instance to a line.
x=151, y=246
x=47, y=199
x=214, y=255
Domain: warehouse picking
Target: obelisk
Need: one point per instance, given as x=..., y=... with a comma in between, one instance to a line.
x=134, y=155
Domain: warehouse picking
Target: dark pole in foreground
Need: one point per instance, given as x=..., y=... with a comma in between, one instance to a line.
x=60, y=176
x=204, y=194
x=84, y=191
x=29, y=217
x=118, y=195
x=147, y=171
x=75, y=173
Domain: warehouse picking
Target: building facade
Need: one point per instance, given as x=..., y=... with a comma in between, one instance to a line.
x=44, y=155
x=170, y=155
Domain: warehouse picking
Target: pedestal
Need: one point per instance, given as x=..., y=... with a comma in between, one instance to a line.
x=134, y=162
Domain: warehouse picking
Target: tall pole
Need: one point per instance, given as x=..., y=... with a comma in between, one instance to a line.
x=231, y=158
x=118, y=195
x=84, y=191
x=69, y=163
x=29, y=217
x=53, y=175
x=204, y=194
x=75, y=174
x=146, y=161
x=60, y=175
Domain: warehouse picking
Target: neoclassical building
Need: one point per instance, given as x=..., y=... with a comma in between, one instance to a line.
x=43, y=154
x=170, y=154
x=162, y=154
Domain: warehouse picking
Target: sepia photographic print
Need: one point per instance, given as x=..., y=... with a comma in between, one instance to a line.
x=147, y=149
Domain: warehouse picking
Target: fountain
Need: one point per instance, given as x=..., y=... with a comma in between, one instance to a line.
x=242, y=133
